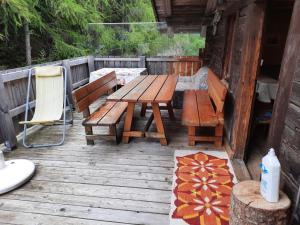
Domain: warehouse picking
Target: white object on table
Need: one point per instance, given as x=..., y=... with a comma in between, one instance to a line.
x=266, y=88
x=124, y=75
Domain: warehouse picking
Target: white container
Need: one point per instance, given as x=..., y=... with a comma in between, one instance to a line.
x=2, y=162
x=270, y=177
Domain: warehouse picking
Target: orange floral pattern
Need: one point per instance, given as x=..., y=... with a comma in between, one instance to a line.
x=202, y=191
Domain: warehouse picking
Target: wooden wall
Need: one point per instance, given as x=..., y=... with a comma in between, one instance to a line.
x=284, y=133
x=215, y=52
x=285, y=127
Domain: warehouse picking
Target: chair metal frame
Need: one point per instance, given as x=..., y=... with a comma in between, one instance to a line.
x=65, y=101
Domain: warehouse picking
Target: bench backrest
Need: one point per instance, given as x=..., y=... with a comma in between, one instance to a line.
x=89, y=93
x=216, y=90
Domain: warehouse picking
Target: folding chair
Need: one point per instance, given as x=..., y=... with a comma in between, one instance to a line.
x=51, y=100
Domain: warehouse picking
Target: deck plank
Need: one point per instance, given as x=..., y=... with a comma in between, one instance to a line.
x=105, y=184
x=83, y=212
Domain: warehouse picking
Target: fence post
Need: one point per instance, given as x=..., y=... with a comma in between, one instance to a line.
x=142, y=62
x=91, y=64
x=66, y=63
x=7, y=129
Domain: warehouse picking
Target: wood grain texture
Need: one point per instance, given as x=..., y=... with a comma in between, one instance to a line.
x=150, y=94
x=166, y=93
x=139, y=89
x=114, y=114
x=290, y=64
x=99, y=114
x=119, y=94
x=206, y=113
x=248, y=206
x=249, y=68
x=7, y=129
x=190, y=115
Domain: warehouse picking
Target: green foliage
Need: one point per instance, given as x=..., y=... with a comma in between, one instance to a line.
x=64, y=28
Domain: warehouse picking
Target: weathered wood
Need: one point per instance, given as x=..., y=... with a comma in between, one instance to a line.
x=249, y=208
x=113, y=116
x=98, y=114
x=7, y=129
x=249, y=69
x=78, y=61
x=142, y=62
x=80, y=83
x=289, y=64
x=66, y=64
x=20, y=109
x=91, y=63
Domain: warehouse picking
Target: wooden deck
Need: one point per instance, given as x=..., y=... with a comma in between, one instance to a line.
x=101, y=184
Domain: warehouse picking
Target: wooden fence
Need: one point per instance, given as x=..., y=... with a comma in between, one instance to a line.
x=184, y=66
x=13, y=83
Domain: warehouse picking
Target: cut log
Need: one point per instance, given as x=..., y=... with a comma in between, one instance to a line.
x=248, y=207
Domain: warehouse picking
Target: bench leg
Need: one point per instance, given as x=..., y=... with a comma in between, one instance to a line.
x=89, y=131
x=218, y=135
x=113, y=132
x=159, y=123
x=128, y=120
x=143, y=110
x=191, y=133
x=170, y=110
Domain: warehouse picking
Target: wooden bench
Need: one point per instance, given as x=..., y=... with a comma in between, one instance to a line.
x=108, y=114
x=204, y=108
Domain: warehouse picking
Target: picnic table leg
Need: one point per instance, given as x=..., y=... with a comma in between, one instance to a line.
x=192, y=134
x=128, y=121
x=170, y=110
x=159, y=123
x=144, y=108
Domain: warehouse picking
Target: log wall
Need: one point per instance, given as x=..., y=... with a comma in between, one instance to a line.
x=215, y=52
x=285, y=127
x=284, y=132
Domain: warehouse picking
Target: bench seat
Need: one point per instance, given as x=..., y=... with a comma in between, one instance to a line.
x=198, y=109
x=107, y=114
x=204, y=108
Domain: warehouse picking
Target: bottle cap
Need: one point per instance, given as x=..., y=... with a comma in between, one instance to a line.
x=271, y=152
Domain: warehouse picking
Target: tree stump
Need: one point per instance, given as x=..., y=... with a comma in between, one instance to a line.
x=248, y=207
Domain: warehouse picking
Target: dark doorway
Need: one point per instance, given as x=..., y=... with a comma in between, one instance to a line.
x=275, y=33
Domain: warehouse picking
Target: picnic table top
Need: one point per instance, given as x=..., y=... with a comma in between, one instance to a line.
x=147, y=89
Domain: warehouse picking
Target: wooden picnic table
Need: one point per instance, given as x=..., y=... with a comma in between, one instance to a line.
x=149, y=89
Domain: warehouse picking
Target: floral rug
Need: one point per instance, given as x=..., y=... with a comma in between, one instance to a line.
x=202, y=185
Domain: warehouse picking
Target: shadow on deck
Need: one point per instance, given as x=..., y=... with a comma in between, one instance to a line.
x=101, y=184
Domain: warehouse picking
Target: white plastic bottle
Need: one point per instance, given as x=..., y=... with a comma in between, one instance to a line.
x=270, y=177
